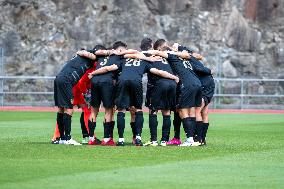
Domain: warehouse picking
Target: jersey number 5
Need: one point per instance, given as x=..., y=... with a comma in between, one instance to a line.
x=104, y=62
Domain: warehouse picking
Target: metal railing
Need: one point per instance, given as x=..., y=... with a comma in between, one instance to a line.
x=1, y=73
x=4, y=93
x=276, y=93
x=225, y=96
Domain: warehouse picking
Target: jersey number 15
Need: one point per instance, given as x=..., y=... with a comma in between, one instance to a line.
x=187, y=65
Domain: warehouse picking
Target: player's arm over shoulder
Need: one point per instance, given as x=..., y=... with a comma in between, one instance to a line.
x=158, y=53
x=164, y=74
x=139, y=55
x=183, y=54
x=103, y=70
x=86, y=54
x=197, y=56
x=102, y=52
x=127, y=51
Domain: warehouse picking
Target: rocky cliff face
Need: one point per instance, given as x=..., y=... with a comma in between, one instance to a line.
x=241, y=38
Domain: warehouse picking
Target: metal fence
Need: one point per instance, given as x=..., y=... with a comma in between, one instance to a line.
x=1, y=73
x=248, y=93
x=27, y=90
x=229, y=93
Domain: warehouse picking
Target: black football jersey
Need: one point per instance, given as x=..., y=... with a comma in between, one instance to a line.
x=133, y=69
x=160, y=65
x=198, y=67
x=75, y=68
x=103, y=61
x=183, y=69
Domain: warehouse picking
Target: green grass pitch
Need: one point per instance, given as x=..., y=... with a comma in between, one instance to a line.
x=243, y=151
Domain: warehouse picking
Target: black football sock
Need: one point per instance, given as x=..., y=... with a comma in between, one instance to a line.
x=177, y=124
x=107, y=129
x=186, y=126
x=67, y=125
x=153, y=124
x=120, y=124
x=189, y=126
x=83, y=126
x=132, y=125
x=168, y=137
x=195, y=133
x=139, y=121
x=166, y=127
x=205, y=129
x=111, y=128
x=92, y=126
x=192, y=126
x=60, y=124
x=199, y=130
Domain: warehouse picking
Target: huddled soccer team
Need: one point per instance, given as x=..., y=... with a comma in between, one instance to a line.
x=178, y=83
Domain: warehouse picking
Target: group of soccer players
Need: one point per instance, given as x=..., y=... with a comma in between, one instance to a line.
x=178, y=83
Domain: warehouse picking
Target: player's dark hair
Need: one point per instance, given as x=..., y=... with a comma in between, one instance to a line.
x=99, y=47
x=159, y=43
x=119, y=44
x=146, y=44
x=166, y=48
x=182, y=48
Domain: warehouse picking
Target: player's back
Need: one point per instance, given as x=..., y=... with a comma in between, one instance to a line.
x=203, y=73
x=75, y=68
x=160, y=65
x=199, y=68
x=103, y=61
x=184, y=70
x=133, y=69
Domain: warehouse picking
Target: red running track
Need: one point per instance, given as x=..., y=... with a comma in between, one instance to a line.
x=218, y=111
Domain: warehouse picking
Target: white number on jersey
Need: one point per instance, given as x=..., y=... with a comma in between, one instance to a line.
x=164, y=61
x=187, y=64
x=132, y=62
x=105, y=61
